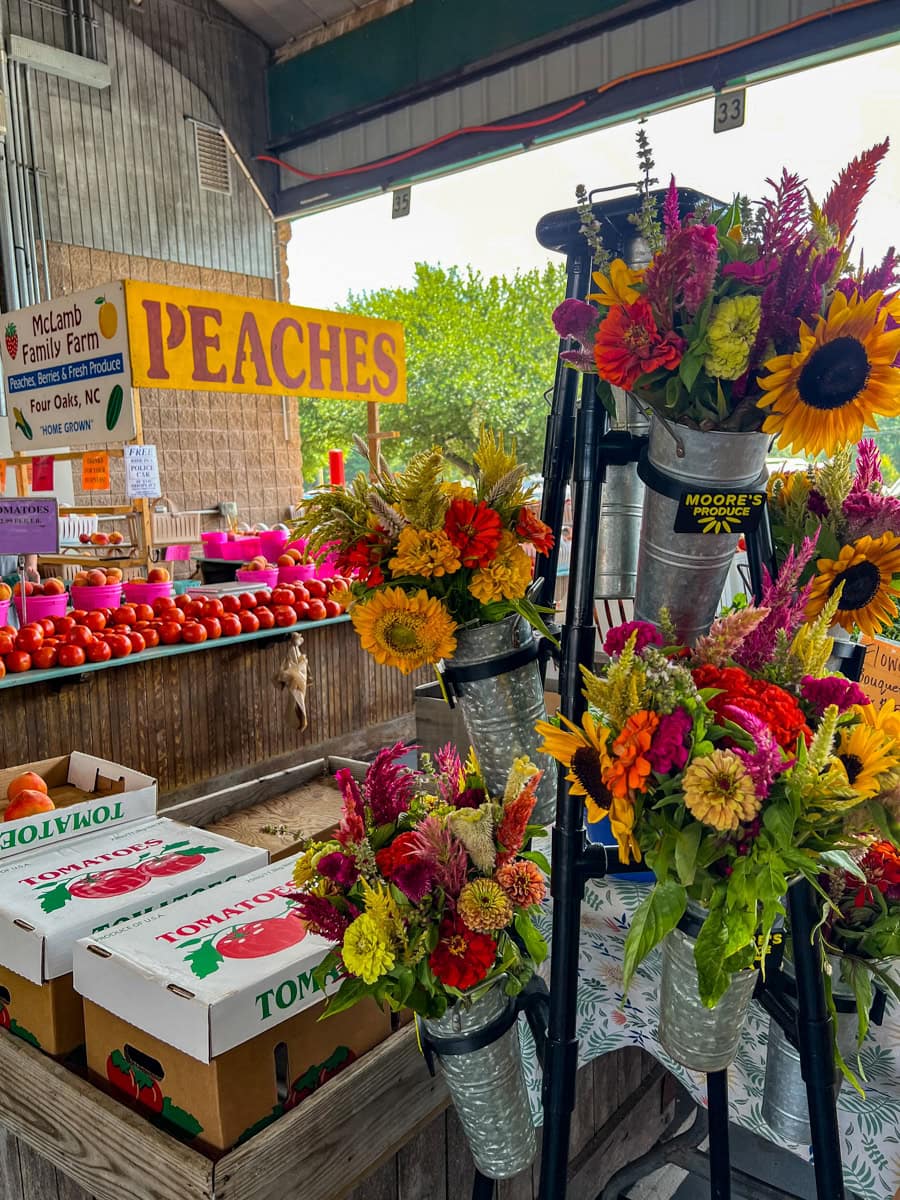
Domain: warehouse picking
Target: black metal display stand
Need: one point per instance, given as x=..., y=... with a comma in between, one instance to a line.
x=579, y=448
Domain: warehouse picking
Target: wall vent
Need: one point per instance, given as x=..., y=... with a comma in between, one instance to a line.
x=213, y=160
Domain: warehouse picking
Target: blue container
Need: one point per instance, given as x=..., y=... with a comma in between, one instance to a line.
x=600, y=834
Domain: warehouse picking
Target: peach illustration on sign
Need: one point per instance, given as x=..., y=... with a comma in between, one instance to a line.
x=108, y=318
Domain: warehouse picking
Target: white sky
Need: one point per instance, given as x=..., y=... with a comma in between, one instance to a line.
x=813, y=122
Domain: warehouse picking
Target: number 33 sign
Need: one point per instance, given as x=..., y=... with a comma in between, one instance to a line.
x=730, y=109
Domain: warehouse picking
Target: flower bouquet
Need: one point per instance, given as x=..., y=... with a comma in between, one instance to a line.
x=429, y=896
x=439, y=571
x=857, y=526
x=729, y=768
x=747, y=318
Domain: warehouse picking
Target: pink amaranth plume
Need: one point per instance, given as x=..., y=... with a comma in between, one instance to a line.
x=784, y=220
x=445, y=854
x=877, y=279
x=449, y=772
x=786, y=602
x=352, y=827
x=868, y=467
x=841, y=205
x=670, y=214
x=389, y=786
x=870, y=514
x=321, y=917
x=682, y=273
x=763, y=763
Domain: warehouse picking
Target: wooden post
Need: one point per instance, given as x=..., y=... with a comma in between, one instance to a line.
x=374, y=437
x=19, y=463
x=143, y=503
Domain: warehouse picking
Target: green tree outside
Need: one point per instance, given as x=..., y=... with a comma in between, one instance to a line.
x=477, y=350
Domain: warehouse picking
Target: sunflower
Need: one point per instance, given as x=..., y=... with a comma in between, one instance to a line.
x=839, y=380
x=868, y=757
x=404, y=631
x=866, y=568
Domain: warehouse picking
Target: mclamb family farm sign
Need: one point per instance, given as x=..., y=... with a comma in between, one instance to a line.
x=69, y=364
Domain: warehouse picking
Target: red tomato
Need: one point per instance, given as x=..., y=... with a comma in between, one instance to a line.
x=3, y=668
x=300, y=592
x=95, y=621
x=98, y=651
x=138, y=642
x=231, y=603
x=182, y=602
x=163, y=604
x=119, y=644
x=316, y=610
x=10, y=629
x=213, y=627
x=174, y=864
x=176, y=615
x=231, y=624
x=140, y=626
x=53, y=641
x=263, y=596
x=332, y=608
x=282, y=595
x=170, y=633
x=340, y=584
x=29, y=638
x=284, y=614
x=47, y=625
x=265, y=616
x=144, y=612
x=17, y=661
x=194, y=610
x=249, y=622
x=7, y=642
x=247, y=599
x=45, y=657
x=194, y=632
x=151, y=637
x=301, y=608
x=213, y=608
x=317, y=589
x=116, y=882
x=71, y=656
x=124, y=615
x=261, y=938
x=78, y=615
x=81, y=636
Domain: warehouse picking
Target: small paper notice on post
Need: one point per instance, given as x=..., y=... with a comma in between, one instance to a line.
x=95, y=471
x=141, y=473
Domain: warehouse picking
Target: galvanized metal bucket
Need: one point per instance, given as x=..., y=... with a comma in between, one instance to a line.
x=686, y=572
x=784, y=1106
x=487, y=1086
x=701, y=1038
x=501, y=711
x=622, y=503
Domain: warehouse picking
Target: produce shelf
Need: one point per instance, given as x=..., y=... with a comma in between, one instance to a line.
x=72, y=674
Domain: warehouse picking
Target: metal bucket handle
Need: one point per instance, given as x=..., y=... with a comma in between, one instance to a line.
x=670, y=429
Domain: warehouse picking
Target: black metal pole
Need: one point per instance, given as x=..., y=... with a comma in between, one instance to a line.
x=814, y=1037
x=719, y=1149
x=567, y=880
x=482, y=1188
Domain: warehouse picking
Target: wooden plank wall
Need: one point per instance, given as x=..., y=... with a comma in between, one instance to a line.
x=193, y=717
x=121, y=169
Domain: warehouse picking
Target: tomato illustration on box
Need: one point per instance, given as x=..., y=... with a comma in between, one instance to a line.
x=205, y=1014
x=50, y=898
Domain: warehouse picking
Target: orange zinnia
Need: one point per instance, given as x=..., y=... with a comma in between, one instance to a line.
x=628, y=345
x=629, y=767
x=532, y=529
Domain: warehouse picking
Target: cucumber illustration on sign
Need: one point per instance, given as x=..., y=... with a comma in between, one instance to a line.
x=257, y=939
x=114, y=406
x=118, y=881
x=22, y=424
x=140, y=1086
x=12, y=340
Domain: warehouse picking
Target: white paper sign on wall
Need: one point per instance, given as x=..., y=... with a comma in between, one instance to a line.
x=141, y=473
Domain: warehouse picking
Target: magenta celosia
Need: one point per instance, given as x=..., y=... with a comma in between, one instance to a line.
x=868, y=467
x=352, y=826
x=766, y=761
x=449, y=772
x=445, y=854
x=340, y=868
x=320, y=915
x=876, y=279
x=647, y=635
x=682, y=273
x=668, y=750
x=871, y=514
x=820, y=694
x=576, y=319
x=786, y=601
x=670, y=214
x=389, y=785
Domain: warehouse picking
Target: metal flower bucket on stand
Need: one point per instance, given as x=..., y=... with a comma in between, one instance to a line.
x=619, y=530
x=784, y=1107
x=701, y=1038
x=486, y=1079
x=495, y=679
x=685, y=572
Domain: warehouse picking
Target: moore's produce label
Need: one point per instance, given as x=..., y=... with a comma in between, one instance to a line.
x=49, y=899
x=213, y=970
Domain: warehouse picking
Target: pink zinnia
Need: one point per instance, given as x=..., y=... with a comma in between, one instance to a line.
x=647, y=635
x=340, y=868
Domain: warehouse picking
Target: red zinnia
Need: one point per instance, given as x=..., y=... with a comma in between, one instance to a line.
x=776, y=708
x=362, y=560
x=475, y=530
x=461, y=958
x=531, y=529
x=628, y=345
x=881, y=865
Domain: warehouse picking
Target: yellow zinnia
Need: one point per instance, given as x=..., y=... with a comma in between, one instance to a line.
x=507, y=576
x=365, y=951
x=719, y=792
x=404, y=631
x=618, y=287
x=426, y=552
x=839, y=380
x=484, y=906
x=866, y=568
x=731, y=333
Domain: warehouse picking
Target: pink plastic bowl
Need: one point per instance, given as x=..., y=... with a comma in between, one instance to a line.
x=146, y=593
x=108, y=596
x=266, y=578
x=297, y=573
x=272, y=542
x=241, y=549
x=214, y=538
x=297, y=544
x=38, y=607
x=4, y=611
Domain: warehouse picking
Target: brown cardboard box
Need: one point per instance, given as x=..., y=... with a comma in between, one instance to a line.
x=223, y=1102
x=48, y=1015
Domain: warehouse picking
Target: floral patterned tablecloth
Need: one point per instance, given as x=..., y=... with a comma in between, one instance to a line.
x=870, y=1127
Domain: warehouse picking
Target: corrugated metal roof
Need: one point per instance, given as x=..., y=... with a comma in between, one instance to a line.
x=281, y=21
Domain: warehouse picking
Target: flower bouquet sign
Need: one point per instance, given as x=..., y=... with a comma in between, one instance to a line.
x=749, y=323
x=430, y=898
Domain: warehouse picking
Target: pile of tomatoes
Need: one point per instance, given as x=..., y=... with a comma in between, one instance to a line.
x=102, y=634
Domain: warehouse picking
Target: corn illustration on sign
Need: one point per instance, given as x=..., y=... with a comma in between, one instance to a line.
x=67, y=371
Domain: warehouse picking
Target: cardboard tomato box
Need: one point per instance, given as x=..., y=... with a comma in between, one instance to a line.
x=90, y=794
x=208, y=1014
x=51, y=898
